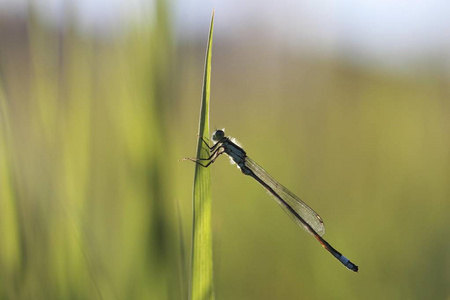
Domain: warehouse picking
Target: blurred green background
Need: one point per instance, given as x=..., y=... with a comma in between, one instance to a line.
x=94, y=117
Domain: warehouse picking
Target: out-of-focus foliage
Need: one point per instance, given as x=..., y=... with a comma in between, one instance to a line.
x=84, y=181
x=92, y=127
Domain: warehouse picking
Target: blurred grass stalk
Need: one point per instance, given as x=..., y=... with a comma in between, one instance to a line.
x=83, y=189
x=202, y=261
x=10, y=252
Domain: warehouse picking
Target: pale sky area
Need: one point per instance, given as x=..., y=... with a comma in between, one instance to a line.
x=376, y=29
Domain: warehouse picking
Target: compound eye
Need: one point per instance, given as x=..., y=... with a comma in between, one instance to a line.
x=218, y=135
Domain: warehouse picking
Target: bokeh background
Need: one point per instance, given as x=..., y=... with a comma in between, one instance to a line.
x=346, y=103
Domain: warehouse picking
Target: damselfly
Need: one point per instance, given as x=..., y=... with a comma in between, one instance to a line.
x=302, y=214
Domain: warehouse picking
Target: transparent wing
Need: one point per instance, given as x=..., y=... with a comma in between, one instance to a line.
x=300, y=207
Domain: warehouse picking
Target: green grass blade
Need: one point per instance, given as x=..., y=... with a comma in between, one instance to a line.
x=202, y=263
